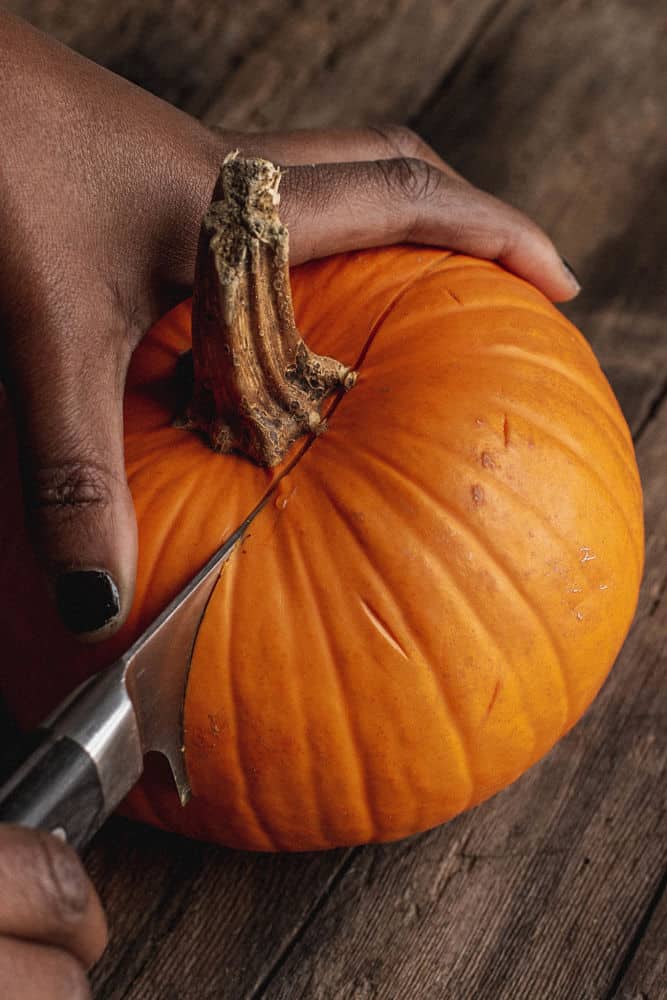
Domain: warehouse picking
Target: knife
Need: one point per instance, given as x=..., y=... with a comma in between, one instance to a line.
x=90, y=751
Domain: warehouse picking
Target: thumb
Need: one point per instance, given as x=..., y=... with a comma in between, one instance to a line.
x=67, y=404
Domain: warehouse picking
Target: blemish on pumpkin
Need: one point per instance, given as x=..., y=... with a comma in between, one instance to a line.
x=494, y=696
x=586, y=554
x=506, y=431
x=580, y=616
x=477, y=494
x=487, y=461
x=382, y=628
x=604, y=586
x=454, y=296
x=214, y=725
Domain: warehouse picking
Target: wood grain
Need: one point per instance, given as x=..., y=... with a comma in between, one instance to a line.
x=644, y=975
x=555, y=889
x=272, y=63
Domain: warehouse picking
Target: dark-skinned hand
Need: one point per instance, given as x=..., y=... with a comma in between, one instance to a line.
x=103, y=190
x=52, y=928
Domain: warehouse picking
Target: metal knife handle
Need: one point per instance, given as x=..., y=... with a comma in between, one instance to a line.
x=56, y=789
x=88, y=759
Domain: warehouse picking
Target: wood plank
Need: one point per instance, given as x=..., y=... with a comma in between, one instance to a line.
x=332, y=64
x=181, y=51
x=644, y=977
x=193, y=920
x=272, y=63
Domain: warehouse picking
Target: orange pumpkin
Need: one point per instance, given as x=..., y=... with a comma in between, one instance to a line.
x=432, y=598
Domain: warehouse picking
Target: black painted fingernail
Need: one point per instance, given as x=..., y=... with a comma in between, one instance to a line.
x=571, y=273
x=87, y=599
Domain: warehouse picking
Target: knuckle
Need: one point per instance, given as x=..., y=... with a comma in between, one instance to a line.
x=412, y=179
x=62, y=882
x=69, y=487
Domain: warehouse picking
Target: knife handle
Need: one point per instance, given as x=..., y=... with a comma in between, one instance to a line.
x=87, y=757
x=56, y=789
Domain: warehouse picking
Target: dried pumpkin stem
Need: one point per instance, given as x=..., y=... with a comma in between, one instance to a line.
x=257, y=387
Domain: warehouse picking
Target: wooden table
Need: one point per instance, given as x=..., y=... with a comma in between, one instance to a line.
x=555, y=889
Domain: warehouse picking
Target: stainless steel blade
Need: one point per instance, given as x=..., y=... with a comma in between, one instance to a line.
x=156, y=667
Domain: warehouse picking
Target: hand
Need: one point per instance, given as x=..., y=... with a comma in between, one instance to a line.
x=52, y=927
x=103, y=190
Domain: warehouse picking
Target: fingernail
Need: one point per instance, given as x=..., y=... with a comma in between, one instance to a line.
x=571, y=274
x=86, y=600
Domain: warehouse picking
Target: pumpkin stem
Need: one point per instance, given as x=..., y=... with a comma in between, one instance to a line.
x=257, y=387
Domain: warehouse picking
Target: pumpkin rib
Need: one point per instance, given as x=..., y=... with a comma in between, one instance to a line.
x=164, y=545
x=486, y=550
x=591, y=469
x=460, y=308
x=141, y=464
x=550, y=364
x=341, y=686
x=379, y=322
x=245, y=815
x=530, y=299
x=272, y=843
x=472, y=612
x=448, y=713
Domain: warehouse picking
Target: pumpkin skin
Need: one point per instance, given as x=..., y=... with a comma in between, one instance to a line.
x=431, y=598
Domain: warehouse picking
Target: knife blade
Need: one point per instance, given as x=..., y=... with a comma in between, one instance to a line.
x=90, y=750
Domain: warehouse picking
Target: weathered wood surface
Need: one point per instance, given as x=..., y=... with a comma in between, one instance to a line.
x=555, y=889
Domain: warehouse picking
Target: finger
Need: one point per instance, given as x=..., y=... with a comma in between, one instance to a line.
x=337, y=145
x=66, y=384
x=38, y=972
x=331, y=208
x=46, y=896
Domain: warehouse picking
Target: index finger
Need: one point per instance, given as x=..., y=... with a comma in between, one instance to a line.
x=337, y=145
x=336, y=207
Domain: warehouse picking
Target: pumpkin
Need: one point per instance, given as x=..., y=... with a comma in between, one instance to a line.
x=431, y=598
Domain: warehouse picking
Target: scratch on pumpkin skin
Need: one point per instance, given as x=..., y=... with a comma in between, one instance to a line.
x=506, y=431
x=382, y=628
x=494, y=696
